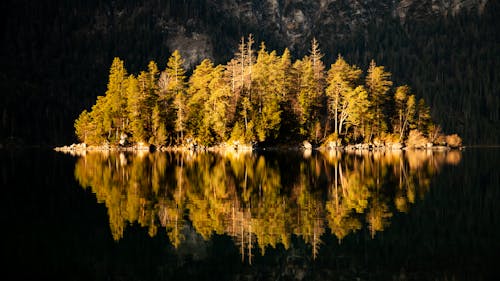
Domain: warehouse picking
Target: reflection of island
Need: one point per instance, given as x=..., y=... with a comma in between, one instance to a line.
x=259, y=199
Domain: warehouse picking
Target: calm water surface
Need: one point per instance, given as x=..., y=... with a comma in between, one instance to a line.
x=251, y=216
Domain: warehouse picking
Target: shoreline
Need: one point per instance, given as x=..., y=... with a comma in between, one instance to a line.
x=306, y=146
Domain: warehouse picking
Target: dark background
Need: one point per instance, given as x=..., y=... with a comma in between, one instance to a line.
x=53, y=229
x=55, y=55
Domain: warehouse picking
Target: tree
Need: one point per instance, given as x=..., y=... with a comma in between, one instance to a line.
x=175, y=90
x=268, y=83
x=138, y=113
x=405, y=108
x=378, y=85
x=341, y=82
x=307, y=96
x=218, y=103
x=208, y=103
x=199, y=92
x=83, y=126
x=355, y=108
x=159, y=133
x=424, y=119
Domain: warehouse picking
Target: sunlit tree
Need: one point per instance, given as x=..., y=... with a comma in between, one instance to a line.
x=378, y=84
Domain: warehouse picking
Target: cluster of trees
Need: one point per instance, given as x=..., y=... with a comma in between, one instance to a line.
x=249, y=198
x=256, y=97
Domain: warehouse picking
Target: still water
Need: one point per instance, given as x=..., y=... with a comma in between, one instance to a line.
x=412, y=215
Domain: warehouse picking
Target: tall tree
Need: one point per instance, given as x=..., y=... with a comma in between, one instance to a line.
x=424, y=119
x=342, y=78
x=175, y=90
x=116, y=100
x=307, y=100
x=217, y=104
x=159, y=132
x=406, y=109
x=356, y=109
x=378, y=84
x=198, y=92
x=268, y=83
x=137, y=91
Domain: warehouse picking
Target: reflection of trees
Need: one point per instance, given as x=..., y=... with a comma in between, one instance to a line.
x=242, y=195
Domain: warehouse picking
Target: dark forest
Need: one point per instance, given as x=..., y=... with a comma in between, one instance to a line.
x=55, y=57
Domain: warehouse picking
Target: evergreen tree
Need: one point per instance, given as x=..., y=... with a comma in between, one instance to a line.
x=268, y=82
x=116, y=100
x=424, y=119
x=138, y=114
x=159, y=133
x=356, y=111
x=199, y=92
x=175, y=91
x=218, y=103
x=378, y=85
x=307, y=96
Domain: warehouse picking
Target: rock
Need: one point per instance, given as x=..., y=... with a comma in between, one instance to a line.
x=307, y=145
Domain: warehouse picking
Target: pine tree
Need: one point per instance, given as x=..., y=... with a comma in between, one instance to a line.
x=198, y=92
x=136, y=92
x=356, y=110
x=218, y=103
x=424, y=121
x=116, y=101
x=159, y=133
x=378, y=85
x=268, y=82
x=175, y=91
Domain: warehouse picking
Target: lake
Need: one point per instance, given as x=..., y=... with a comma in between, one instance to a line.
x=414, y=215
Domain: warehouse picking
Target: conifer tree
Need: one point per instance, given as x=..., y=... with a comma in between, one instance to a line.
x=137, y=92
x=218, y=103
x=175, y=91
x=310, y=92
x=378, y=85
x=199, y=93
x=267, y=85
x=159, y=133
x=305, y=95
x=114, y=107
x=356, y=110
x=424, y=119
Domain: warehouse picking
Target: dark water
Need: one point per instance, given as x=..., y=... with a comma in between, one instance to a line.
x=261, y=216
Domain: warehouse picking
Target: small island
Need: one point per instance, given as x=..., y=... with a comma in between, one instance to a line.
x=258, y=99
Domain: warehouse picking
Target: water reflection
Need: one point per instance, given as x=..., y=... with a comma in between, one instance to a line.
x=260, y=200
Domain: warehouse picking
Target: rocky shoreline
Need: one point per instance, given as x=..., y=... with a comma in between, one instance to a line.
x=82, y=147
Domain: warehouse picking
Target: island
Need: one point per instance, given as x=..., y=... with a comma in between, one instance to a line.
x=258, y=99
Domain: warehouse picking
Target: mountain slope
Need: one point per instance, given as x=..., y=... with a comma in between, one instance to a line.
x=55, y=58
